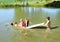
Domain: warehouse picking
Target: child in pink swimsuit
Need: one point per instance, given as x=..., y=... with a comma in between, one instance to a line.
x=22, y=23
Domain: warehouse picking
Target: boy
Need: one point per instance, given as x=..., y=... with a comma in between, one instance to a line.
x=48, y=23
x=27, y=22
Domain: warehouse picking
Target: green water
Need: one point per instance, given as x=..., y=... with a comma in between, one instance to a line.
x=9, y=33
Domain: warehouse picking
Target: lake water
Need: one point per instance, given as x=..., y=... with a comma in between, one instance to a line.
x=36, y=15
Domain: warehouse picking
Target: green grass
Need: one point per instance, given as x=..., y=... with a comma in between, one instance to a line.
x=34, y=3
x=37, y=35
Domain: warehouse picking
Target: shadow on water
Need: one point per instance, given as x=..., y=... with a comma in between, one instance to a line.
x=54, y=27
x=39, y=27
x=42, y=27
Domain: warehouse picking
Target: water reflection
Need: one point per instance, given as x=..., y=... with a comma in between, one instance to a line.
x=42, y=12
x=31, y=11
x=50, y=11
x=38, y=14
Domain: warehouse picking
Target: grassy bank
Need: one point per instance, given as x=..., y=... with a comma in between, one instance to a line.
x=30, y=3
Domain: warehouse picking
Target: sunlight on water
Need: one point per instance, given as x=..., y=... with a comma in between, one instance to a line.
x=6, y=15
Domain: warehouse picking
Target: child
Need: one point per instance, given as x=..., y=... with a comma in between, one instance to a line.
x=14, y=24
x=27, y=22
x=22, y=23
x=48, y=23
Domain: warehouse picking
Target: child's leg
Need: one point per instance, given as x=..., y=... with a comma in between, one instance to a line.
x=48, y=29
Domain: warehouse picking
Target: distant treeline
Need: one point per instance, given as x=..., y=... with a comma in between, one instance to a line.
x=35, y=3
x=54, y=4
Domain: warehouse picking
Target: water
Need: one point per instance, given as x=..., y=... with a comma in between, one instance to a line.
x=6, y=16
x=36, y=15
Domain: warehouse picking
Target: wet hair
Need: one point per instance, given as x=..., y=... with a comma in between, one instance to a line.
x=48, y=18
x=12, y=24
x=15, y=22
